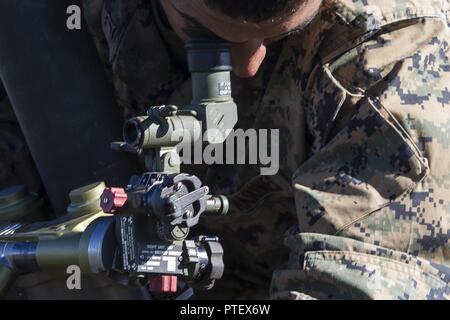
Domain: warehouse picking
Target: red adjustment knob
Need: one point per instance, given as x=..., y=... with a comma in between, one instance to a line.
x=163, y=284
x=113, y=199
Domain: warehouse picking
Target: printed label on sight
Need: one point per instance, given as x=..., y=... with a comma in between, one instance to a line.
x=224, y=88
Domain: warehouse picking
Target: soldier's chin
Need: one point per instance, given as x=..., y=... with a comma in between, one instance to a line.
x=247, y=65
x=245, y=73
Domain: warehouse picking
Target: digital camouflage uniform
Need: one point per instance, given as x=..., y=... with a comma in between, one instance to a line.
x=373, y=196
x=361, y=98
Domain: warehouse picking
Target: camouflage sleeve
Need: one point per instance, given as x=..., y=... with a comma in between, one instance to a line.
x=16, y=164
x=373, y=199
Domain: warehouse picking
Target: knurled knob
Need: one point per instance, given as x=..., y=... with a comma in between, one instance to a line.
x=113, y=199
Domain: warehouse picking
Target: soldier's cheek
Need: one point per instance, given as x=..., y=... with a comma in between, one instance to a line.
x=247, y=58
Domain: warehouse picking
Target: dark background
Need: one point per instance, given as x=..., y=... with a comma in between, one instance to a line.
x=63, y=102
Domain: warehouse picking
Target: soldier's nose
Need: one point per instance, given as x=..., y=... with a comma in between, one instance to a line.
x=247, y=57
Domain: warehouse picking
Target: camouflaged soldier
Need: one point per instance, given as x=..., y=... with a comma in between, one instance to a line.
x=361, y=95
x=360, y=92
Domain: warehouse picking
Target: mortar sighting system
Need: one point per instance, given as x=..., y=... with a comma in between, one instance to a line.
x=139, y=233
